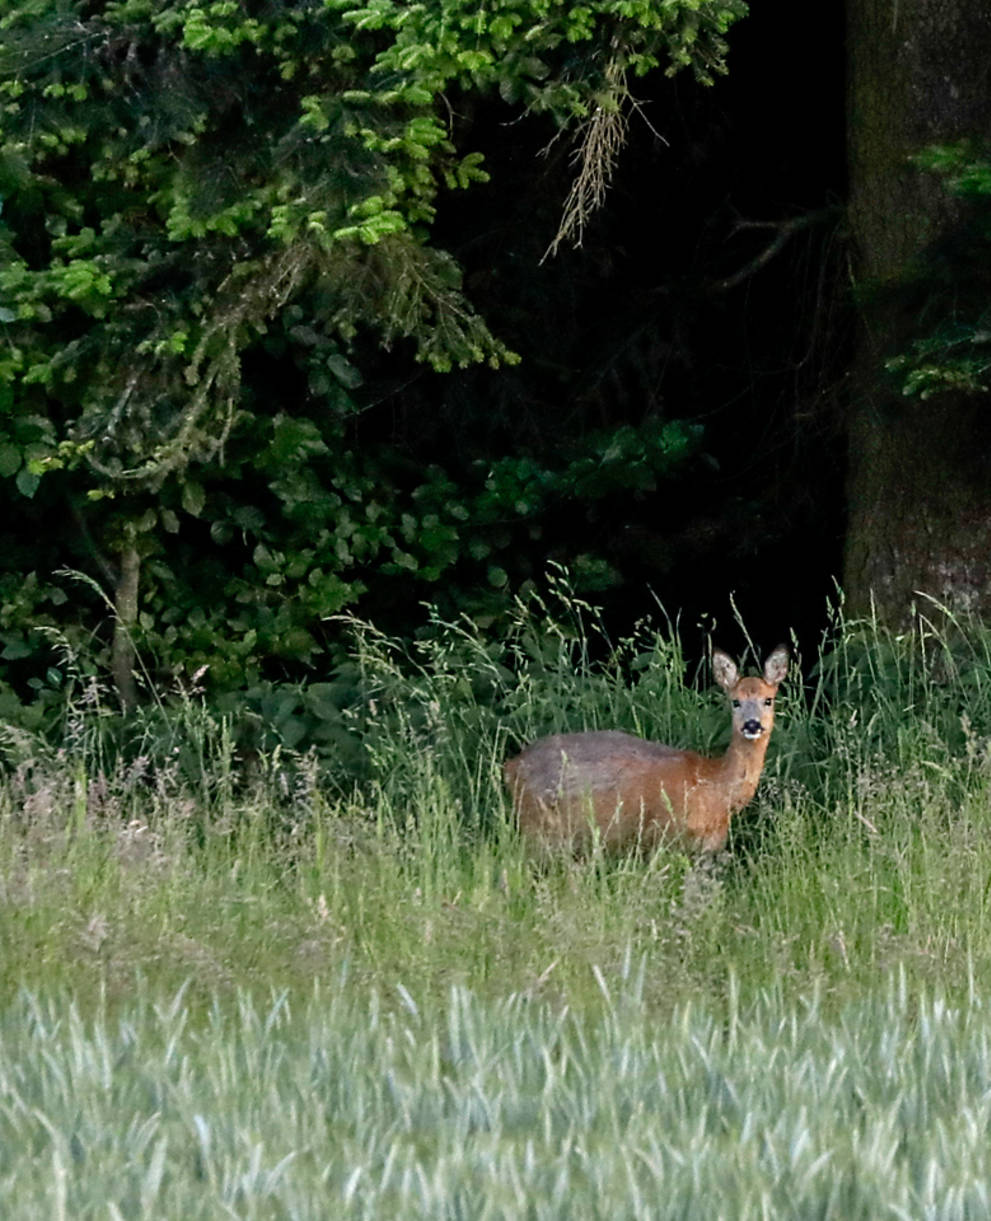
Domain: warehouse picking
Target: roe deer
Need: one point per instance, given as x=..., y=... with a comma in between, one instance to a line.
x=636, y=792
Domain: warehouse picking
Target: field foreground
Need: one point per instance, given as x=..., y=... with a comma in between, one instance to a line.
x=336, y=1105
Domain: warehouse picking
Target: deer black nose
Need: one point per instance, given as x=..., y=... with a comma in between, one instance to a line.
x=752, y=728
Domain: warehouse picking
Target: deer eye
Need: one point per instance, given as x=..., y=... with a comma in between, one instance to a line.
x=736, y=703
x=768, y=703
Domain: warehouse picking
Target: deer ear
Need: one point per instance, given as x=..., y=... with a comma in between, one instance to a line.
x=776, y=666
x=724, y=670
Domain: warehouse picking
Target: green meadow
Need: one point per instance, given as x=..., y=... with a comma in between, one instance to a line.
x=266, y=986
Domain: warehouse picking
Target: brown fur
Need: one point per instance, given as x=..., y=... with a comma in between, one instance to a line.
x=568, y=787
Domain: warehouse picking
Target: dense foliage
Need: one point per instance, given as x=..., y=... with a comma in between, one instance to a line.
x=215, y=218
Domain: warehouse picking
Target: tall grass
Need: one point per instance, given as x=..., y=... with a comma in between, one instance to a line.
x=866, y=849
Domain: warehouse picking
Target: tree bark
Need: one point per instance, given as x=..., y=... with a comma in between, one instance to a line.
x=126, y=608
x=919, y=484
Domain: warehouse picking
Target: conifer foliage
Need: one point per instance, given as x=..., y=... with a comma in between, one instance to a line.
x=185, y=183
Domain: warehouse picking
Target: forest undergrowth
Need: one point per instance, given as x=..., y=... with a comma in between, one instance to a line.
x=254, y=980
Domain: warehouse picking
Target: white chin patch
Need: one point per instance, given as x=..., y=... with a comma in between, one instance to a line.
x=752, y=736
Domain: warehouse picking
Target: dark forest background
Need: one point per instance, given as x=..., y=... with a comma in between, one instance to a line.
x=690, y=299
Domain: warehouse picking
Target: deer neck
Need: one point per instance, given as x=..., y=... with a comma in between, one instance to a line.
x=741, y=766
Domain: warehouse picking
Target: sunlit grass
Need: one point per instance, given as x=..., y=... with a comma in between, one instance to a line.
x=866, y=848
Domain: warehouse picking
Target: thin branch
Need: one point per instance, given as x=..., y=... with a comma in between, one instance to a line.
x=603, y=135
x=783, y=231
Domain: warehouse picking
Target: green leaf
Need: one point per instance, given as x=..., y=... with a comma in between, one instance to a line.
x=344, y=371
x=193, y=497
x=10, y=460
x=16, y=648
x=27, y=483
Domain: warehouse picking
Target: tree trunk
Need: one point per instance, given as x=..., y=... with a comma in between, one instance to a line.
x=126, y=608
x=919, y=485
